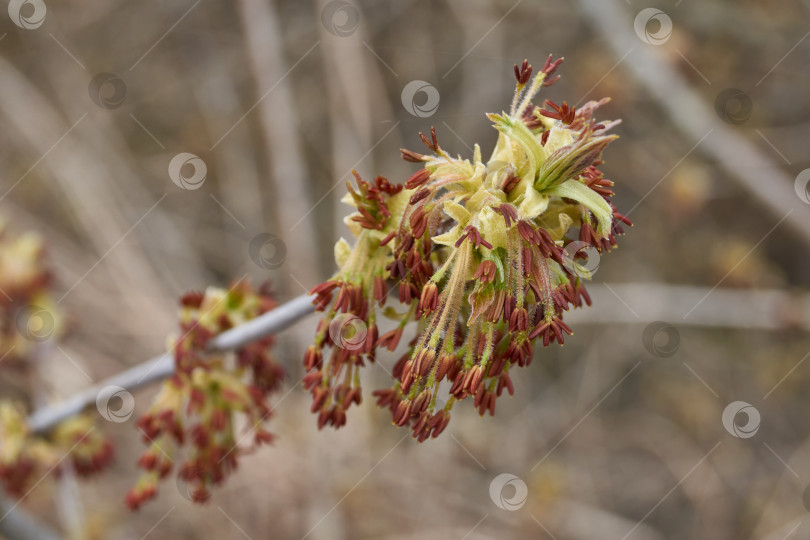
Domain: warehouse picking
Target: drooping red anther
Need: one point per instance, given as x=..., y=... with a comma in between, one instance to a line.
x=418, y=222
x=504, y=381
x=386, y=397
x=509, y=184
x=262, y=436
x=588, y=235
x=383, y=184
x=528, y=232
x=446, y=361
x=519, y=320
x=417, y=179
x=433, y=143
x=594, y=180
x=429, y=298
x=544, y=138
x=473, y=379
x=219, y=420
x=486, y=271
x=550, y=330
x=620, y=217
x=549, y=68
x=402, y=413
x=563, y=113
x=508, y=212
x=474, y=236
x=523, y=73
x=192, y=299
x=560, y=299
x=422, y=362
x=441, y=423
x=390, y=236
x=419, y=195
x=323, y=294
x=411, y=156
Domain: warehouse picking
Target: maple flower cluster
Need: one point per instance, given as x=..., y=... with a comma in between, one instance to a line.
x=25, y=457
x=208, y=393
x=486, y=257
x=30, y=325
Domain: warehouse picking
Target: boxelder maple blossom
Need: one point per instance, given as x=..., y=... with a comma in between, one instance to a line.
x=486, y=257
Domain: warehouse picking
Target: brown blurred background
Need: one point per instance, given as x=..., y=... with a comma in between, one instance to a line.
x=616, y=435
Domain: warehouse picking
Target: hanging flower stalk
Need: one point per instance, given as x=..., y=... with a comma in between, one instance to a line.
x=486, y=257
x=201, y=403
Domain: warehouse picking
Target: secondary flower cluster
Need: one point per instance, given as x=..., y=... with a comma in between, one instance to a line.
x=201, y=403
x=28, y=315
x=486, y=257
x=29, y=325
x=25, y=458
